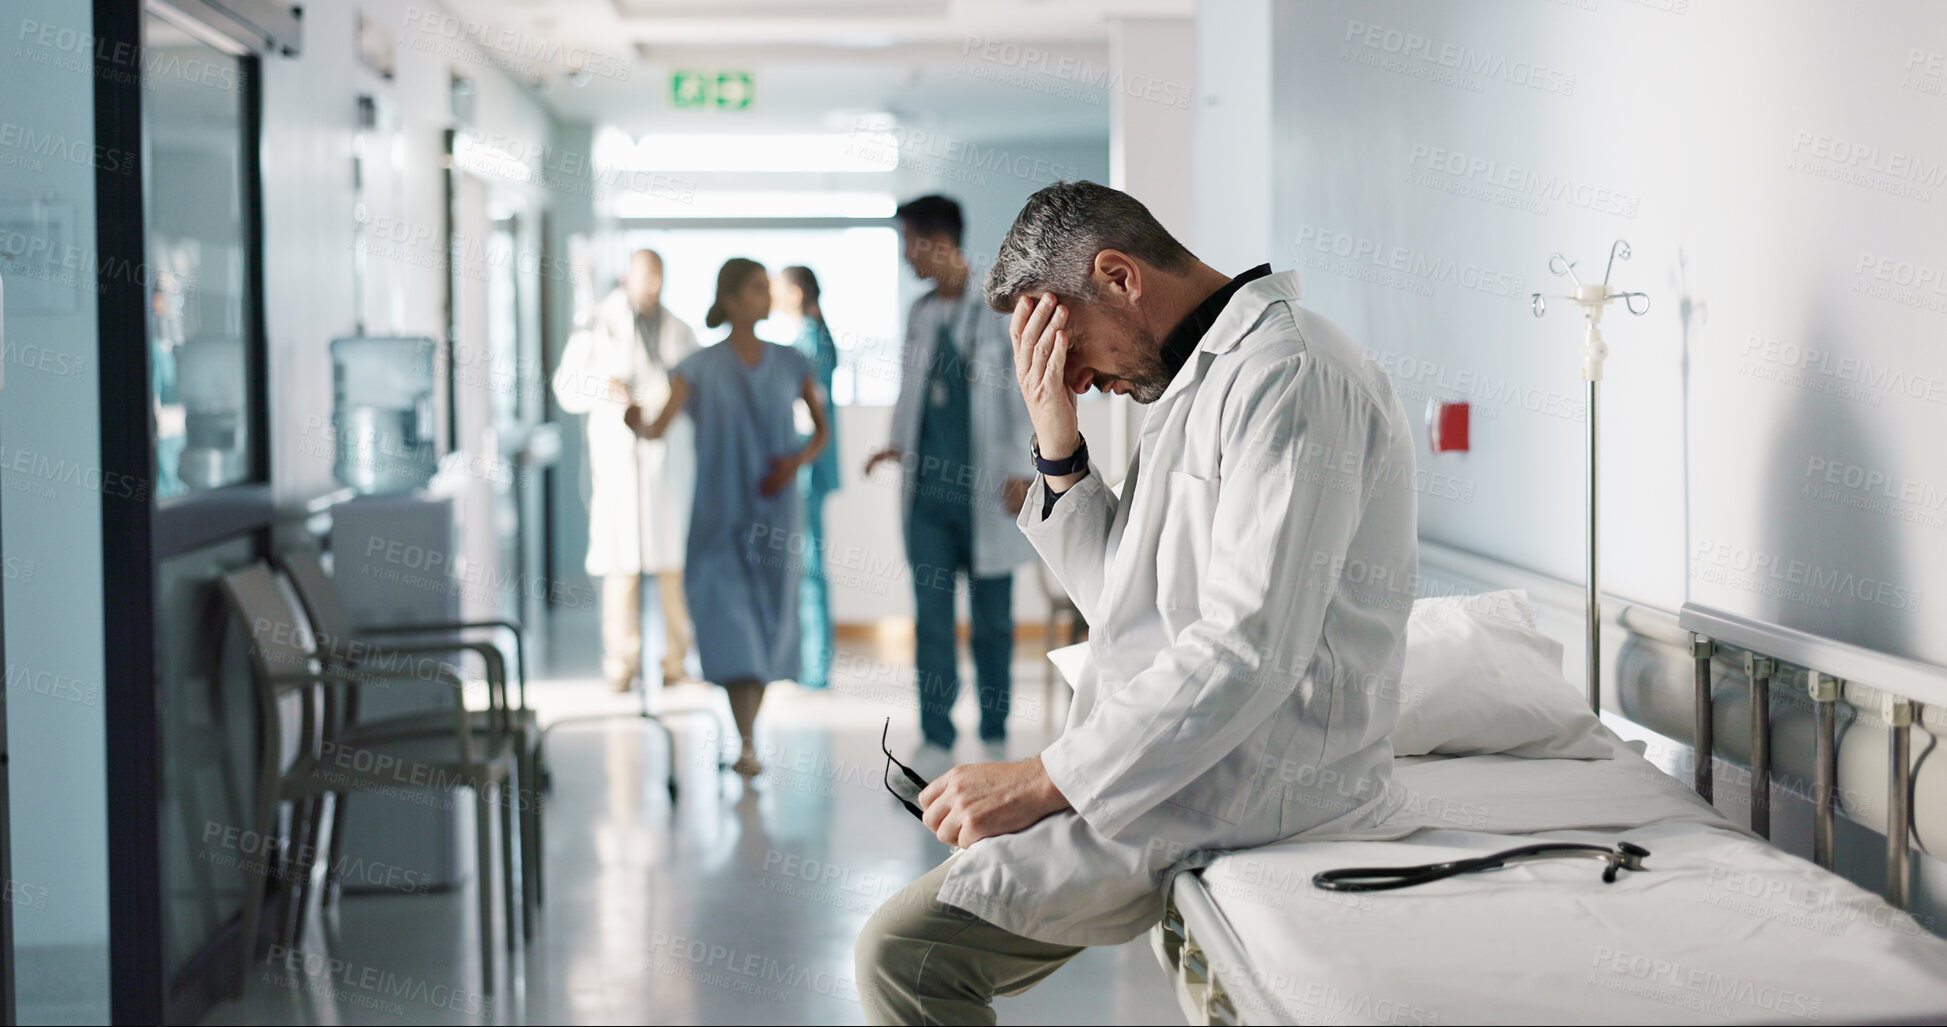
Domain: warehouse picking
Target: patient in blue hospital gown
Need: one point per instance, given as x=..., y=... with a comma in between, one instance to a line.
x=745, y=541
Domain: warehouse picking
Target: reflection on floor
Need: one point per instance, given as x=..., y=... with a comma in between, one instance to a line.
x=735, y=905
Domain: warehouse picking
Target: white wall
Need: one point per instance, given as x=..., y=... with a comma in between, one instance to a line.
x=49, y=419
x=1153, y=116
x=990, y=197
x=1768, y=162
x=310, y=117
x=1230, y=143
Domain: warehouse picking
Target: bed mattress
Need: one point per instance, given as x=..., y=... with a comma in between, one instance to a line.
x=1722, y=927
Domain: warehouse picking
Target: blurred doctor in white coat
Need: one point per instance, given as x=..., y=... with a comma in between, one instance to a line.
x=639, y=506
x=1241, y=589
x=956, y=432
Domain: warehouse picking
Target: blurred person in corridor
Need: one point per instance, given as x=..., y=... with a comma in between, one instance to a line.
x=958, y=430
x=741, y=575
x=639, y=506
x=796, y=296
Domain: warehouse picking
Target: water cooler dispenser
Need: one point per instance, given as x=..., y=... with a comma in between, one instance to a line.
x=210, y=386
x=392, y=548
x=382, y=413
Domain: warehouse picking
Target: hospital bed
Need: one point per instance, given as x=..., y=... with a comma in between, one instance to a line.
x=1721, y=927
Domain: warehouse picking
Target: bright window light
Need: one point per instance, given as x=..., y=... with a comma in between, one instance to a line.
x=750, y=203
x=855, y=151
x=858, y=276
x=494, y=158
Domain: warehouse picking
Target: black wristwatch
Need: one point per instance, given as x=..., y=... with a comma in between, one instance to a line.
x=1076, y=462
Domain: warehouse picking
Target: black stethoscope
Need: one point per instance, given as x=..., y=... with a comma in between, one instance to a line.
x=1624, y=856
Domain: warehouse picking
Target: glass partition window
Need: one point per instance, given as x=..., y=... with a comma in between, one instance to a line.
x=193, y=138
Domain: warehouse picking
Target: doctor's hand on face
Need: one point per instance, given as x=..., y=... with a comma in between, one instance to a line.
x=1039, y=332
x=980, y=800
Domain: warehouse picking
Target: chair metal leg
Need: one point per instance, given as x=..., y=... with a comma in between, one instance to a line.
x=484, y=882
x=540, y=846
x=509, y=851
x=542, y=787
x=304, y=862
x=253, y=901
x=528, y=799
x=280, y=866
x=334, y=884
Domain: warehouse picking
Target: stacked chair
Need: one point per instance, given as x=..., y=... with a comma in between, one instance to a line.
x=319, y=595
x=310, y=666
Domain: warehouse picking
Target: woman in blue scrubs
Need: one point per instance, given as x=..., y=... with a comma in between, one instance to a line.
x=797, y=296
x=745, y=535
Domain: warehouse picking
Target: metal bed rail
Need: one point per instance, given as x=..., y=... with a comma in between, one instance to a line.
x=1204, y=963
x=1214, y=981
x=1834, y=672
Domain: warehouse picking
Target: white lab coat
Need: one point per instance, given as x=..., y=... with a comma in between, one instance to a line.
x=1247, y=596
x=639, y=505
x=998, y=418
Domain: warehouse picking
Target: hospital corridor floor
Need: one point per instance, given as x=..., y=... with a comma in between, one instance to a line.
x=736, y=905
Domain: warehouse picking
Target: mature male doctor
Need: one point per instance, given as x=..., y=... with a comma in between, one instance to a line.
x=1235, y=695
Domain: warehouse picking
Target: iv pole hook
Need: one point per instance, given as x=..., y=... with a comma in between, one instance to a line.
x=1620, y=249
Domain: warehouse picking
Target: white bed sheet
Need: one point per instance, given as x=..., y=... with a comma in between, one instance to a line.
x=1723, y=928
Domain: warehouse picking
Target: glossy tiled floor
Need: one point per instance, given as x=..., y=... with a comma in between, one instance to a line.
x=734, y=905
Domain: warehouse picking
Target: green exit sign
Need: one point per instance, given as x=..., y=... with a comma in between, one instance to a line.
x=698, y=90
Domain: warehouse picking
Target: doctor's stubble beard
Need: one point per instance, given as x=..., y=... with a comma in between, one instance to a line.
x=1150, y=376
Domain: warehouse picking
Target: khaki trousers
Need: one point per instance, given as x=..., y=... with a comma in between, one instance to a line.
x=922, y=962
x=622, y=627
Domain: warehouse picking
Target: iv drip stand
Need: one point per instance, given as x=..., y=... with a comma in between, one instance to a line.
x=1592, y=299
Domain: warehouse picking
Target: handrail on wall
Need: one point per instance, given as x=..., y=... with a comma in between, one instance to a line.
x=1829, y=666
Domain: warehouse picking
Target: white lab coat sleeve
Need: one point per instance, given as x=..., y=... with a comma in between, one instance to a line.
x=1074, y=539
x=1300, y=445
x=679, y=340
x=912, y=389
x=580, y=385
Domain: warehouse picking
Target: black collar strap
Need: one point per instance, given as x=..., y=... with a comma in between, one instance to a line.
x=1183, y=339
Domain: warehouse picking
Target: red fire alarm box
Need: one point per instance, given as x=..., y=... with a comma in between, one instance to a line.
x=1446, y=427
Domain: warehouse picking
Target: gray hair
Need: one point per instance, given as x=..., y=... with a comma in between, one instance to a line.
x=1056, y=237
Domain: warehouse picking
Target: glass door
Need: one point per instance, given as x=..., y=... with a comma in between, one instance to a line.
x=526, y=447
x=183, y=423
x=199, y=324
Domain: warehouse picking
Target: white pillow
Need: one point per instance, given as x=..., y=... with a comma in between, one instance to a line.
x=1480, y=679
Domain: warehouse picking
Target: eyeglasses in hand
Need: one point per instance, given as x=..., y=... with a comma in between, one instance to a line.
x=907, y=788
